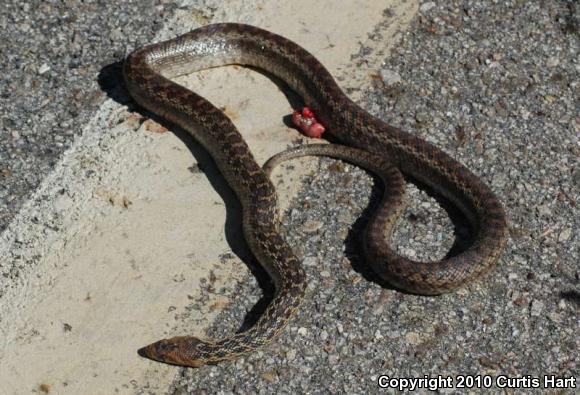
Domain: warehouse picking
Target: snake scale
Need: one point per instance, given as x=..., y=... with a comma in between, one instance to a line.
x=364, y=140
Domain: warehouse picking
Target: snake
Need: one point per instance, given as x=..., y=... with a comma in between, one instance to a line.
x=358, y=137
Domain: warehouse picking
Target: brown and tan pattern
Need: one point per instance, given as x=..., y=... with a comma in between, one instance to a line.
x=377, y=146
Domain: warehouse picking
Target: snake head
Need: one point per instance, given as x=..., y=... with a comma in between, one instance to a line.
x=181, y=350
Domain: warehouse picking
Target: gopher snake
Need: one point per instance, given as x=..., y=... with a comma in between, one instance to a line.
x=376, y=145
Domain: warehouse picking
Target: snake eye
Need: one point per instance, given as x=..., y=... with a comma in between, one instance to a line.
x=164, y=348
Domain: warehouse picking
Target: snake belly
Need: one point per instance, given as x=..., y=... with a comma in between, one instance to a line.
x=148, y=72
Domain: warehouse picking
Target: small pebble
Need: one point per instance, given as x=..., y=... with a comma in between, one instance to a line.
x=536, y=308
x=565, y=235
x=390, y=77
x=43, y=69
x=312, y=226
x=426, y=6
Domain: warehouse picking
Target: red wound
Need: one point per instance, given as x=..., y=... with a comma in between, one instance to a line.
x=307, y=123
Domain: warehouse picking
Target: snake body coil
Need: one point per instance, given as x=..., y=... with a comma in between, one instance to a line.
x=377, y=145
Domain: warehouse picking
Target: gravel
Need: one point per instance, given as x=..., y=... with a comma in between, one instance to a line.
x=51, y=55
x=496, y=85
